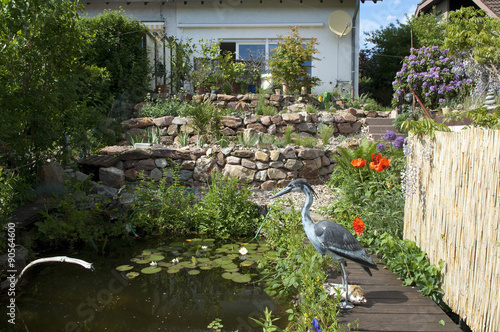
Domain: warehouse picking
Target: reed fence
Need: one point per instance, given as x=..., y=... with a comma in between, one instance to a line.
x=452, y=212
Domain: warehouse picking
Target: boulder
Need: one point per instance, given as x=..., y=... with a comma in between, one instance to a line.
x=243, y=153
x=309, y=153
x=261, y=176
x=293, y=164
x=135, y=154
x=204, y=166
x=248, y=163
x=261, y=156
x=276, y=174
x=239, y=172
x=161, y=163
x=292, y=117
x=156, y=174
x=231, y=121
x=164, y=121
x=268, y=185
x=112, y=177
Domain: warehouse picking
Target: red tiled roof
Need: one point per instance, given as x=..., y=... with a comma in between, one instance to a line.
x=491, y=7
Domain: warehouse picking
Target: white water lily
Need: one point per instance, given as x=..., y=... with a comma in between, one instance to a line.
x=204, y=247
x=175, y=260
x=153, y=263
x=243, y=251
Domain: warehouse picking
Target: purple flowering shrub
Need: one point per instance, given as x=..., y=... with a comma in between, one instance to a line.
x=432, y=74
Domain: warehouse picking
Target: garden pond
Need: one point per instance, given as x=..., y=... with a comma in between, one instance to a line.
x=149, y=285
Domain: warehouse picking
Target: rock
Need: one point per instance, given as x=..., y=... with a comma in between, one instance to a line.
x=283, y=183
x=258, y=127
x=310, y=169
x=180, y=120
x=204, y=166
x=113, y=150
x=348, y=117
x=164, y=121
x=266, y=120
x=261, y=156
x=251, y=119
x=81, y=177
x=135, y=154
x=226, y=151
x=226, y=98
x=261, y=176
x=248, y=163
x=307, y=127
x=293, y=164
x=238, y=106
x=325, y=161
x=172, y=130
x=277, y=120
x=188, y=129
x=276, y=174
x=260, y=165
x=289, y=152
x=112, y=177
x=51, y=175
x=131, y=174
x=345, y=128
x=185, y=175
x=371, y=114
x=276, y=155
x=292, y=117
x=156, y=174
x=231, y=121
x=309, y=153
x=327, y=118
x=188, y=164
x=276, y=164
x=141, y=165
x=161, y=163
x=271, y=129
x=239, y=172
x=268, y=185
x=356, y=126
x=243, y=153
x=227, y=131
x=140, y=123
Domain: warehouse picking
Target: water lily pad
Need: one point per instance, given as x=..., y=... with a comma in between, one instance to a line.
x=151, y=270
x=203, y=259
x=247, y=263
x=132, y=275
x=142, y=261
x=122, y=268
x=171, y=270
x=232, y=270
x=194, y=272
x=135, y=259
x=229, y=266
x=155, y=257
x=242, y=278
x=206, y=267
x=232, y=256
x=228, y=275
x=164, y=264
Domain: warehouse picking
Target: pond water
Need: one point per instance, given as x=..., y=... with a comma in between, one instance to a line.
x=67, y=297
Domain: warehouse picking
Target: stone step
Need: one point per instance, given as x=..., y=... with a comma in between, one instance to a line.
x=379, y=121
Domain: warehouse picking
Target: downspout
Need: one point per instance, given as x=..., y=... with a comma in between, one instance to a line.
x=353, y=52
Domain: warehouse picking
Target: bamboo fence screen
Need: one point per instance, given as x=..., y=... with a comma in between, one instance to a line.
x=454, y=214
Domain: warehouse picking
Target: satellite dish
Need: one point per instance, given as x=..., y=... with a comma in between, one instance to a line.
x=340, y=23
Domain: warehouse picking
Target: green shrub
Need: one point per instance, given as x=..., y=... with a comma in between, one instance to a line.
x=206, y=118
x=225, y=211
x=288, y=134
x=306, y=141
x=264, y=108
x=163, y=106
x=325, y=132
x=163, y=207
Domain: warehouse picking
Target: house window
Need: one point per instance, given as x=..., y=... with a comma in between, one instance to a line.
x=253, y=52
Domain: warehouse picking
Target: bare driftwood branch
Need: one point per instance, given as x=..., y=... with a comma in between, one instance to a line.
x=61, y=259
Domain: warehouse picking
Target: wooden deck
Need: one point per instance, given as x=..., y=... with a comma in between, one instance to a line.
x=390, y=305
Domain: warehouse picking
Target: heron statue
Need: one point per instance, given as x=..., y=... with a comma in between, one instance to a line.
x=330, y=238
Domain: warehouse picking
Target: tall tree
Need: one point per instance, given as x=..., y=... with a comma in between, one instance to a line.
x=41, y=73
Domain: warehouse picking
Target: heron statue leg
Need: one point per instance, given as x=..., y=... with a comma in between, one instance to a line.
x=345, y=304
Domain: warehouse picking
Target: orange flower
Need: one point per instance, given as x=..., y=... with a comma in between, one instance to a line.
x=378, y=163
x=358, y=163
x=358, y=226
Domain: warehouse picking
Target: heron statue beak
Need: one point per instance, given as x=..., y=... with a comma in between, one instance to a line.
x=285, y=190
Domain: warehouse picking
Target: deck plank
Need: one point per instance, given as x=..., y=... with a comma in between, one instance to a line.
x=390, y=305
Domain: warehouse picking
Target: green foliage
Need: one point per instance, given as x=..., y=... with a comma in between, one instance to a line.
x=116, y=43
x=225, y=211
x=288, y=60
x=468, y=28
x=424, y=126
x=73, y=223
x=428, y=29
x=163, y=207
x=298, y=270
x=306, y=141
x=171, y=105
x=206, y=118
x=405, y=115
x=248, y=140
x=264, y=108
x=288, y=134
x=392, y=44
x=325, y=132
x=183, y=139
x=482, y=118
x=373, y=196
x=47, y=92
x=267, y=322
x=181, y=66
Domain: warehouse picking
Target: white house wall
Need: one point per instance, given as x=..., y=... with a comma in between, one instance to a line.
x=250, y=20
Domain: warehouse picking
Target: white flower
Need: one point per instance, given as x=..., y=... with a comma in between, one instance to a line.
x=175, y=260
x=243, y=251
x=204, y=247
x=153, y=263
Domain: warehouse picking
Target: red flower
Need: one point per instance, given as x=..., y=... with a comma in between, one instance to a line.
x=378, y=163
x=358, y=163
x=358, y=226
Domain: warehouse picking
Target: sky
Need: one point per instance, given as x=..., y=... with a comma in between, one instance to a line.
x=381, y=14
